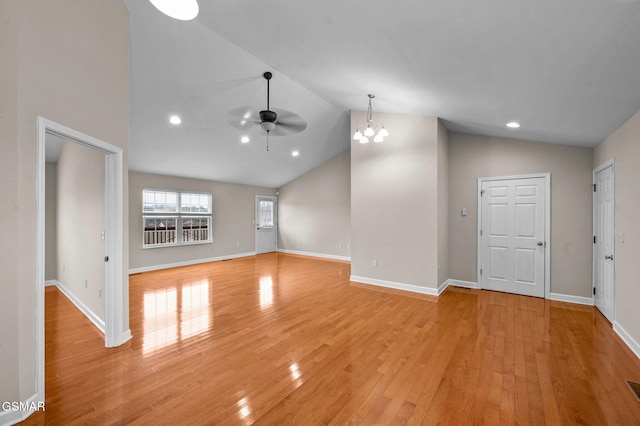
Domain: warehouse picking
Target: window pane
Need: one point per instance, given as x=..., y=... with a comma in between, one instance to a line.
x=195, y=203
x=265, y=213
x=159, y=231
x=159, y=201
x=195, y=229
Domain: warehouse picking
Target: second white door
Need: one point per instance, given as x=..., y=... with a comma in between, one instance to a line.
x=604, y=240
x=512, y=235
x=266, y=224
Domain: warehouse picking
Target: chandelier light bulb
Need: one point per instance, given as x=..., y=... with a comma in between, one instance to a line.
x=357, y=135
x=364, y=139
x=368, y=132
x=378, y=138
x=383, y=132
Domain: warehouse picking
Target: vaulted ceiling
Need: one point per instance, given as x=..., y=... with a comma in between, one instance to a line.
x=568, y=71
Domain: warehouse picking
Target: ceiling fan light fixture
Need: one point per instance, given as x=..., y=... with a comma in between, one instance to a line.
x=183, y=10
x=267, y=125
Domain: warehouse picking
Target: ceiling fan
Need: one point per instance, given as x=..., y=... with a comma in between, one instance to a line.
x=276, y=122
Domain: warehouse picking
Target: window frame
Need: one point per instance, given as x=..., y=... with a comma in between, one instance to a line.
x=179, y=216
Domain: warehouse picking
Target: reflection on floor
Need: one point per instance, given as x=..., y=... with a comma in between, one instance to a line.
x=279, y=339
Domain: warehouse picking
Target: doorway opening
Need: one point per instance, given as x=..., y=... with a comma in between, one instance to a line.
x=115, y=293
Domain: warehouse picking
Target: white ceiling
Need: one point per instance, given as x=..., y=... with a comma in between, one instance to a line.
x=569, y=71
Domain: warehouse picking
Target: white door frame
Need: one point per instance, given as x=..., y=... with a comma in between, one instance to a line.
x=255, y=220
x=610, y=163
x=116, y=289
x=547, y=228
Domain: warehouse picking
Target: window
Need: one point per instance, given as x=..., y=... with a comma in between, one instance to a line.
x=175, y=218
x=265, y=214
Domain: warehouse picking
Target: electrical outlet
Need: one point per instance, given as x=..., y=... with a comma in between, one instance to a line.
x=339, y=245
x=100, y=293
x=348, y=245
x=374, y=263
x=86, y=283
x=238, y=244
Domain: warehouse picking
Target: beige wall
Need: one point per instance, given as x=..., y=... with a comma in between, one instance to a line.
x=394, y=212
x=67, y=61
x=624, y=146
x=10, y=268
x=472, y=157
x=314, y=210
x=50, y=225
x=443, y=204
x=233, y=220
x=81, y=207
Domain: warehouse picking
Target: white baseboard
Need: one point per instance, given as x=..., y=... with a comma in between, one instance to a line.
x=189, y=262
x=97, y=321
x=308, y=253
x=49, y=283
x=465, y=284
x=11, y=417
x=626, y=338
x=571, y=299
x=400, y=286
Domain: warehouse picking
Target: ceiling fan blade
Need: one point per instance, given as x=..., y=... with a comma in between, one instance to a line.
x=288, y=123
x=243, y=118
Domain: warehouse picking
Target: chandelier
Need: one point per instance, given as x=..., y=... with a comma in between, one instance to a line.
x=378, y=133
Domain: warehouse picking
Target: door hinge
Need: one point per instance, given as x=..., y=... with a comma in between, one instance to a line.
x=594, y=291
x=480, y=271
x=481, y=232
x=106, y=258
x=482, y=192
x=594, y=187
x=594, y=239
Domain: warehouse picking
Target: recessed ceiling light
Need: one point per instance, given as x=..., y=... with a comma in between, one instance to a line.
x=244, y=139
x=184, y=10
x=174, y=119
x=513, y=124
x=295, y=153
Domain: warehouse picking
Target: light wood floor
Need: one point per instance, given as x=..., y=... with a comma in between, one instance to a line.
x=277, y=339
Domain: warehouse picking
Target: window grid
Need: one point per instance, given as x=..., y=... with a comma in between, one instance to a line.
x=190, y=222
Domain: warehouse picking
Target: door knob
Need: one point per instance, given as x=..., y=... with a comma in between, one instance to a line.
x=540, y=243
x=608, y=257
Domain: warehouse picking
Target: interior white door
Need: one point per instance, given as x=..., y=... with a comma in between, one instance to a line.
x=512, y=235
x=266, y=224
x=604, y=241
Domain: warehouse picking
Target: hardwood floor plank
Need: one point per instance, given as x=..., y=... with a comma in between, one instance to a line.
x=277, y=339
